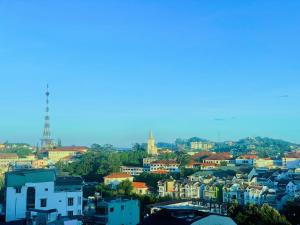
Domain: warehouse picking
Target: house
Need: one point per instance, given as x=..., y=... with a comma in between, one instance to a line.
x=166, y=188
x=114, y=179
x=140, y=188
x=213, y=192
x=245, y=160
x=169, y=165
x=219, y=158
x=186, y=189
x=41, y=189
x=292, y=187
x=264, y=162
x=8, y=158
x=234, y=193
x=258, y=195
x=65, y=153
x=291, y=160
x=112, y=211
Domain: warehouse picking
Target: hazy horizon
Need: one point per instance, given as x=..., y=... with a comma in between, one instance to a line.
x=117, y=69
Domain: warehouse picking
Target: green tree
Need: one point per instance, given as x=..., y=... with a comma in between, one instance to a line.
x=125, y=187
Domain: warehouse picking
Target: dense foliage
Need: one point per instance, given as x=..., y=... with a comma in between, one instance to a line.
x=292, y=211
x=96, y=164
x=20, y=151
x=256, y=215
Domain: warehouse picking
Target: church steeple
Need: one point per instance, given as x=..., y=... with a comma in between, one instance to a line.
x=151, y=147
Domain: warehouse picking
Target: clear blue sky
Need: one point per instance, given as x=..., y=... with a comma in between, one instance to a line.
x=116, y=69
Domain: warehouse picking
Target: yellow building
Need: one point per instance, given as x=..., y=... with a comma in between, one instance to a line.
x=200, y=145
x=264, y=162
x=151, y=147
x=140, y=188
x=116, y=178
x=64, y=153
x=8, y=158
x=39, y=163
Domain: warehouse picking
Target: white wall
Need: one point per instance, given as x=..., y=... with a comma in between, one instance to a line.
x=16, y=202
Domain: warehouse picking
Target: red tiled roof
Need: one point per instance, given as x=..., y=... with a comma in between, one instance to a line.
x=248, y=157
x=70, y=148
x=8, y=156
x=160, y=172
x=137, y=185
x=219, y=156
x=293, y=154
x=118, y=175
x=201, y=154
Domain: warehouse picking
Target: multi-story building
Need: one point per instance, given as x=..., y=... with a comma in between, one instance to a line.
x=147, y=161
x=213, y=192
x=8, y=158
x=169, y=165
x=186, y=189
x=133, y=170
x=41, y=189
x=291, y=160
x=234, y=193
x=254, y=194
x=201, y=145
x=245, y=160
x=114, y=179
x=113, y=211
x=219, y=158
x=166, y=188
x=62, y=153
x=264, y=162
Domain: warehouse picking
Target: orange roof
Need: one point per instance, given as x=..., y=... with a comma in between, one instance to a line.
x=118, y=175
x=293, y=154
x=137, y=185
x=201, y=154
x=194, y=163
x=219, y=156
x=8, y=156
x=248, y=157
x=160, y=172
x=70, y=148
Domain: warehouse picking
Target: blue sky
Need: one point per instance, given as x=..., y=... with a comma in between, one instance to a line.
x=116, y=69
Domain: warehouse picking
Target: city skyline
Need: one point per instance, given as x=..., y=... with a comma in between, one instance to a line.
x=229, y=70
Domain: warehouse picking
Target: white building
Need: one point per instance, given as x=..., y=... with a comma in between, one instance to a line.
x=114, y=211
x=44, y=190
x=132, y=170
x=168, y=165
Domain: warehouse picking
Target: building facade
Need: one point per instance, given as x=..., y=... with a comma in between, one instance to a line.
x=41, y=190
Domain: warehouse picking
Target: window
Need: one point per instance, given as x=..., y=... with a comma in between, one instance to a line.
x=18, y=190
x=122, y=207
x=79, y=200
x=70, y=213
x=43, y=202
x=46, y=189
x=78, y=212
x=70, y=201
x=111, y=209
